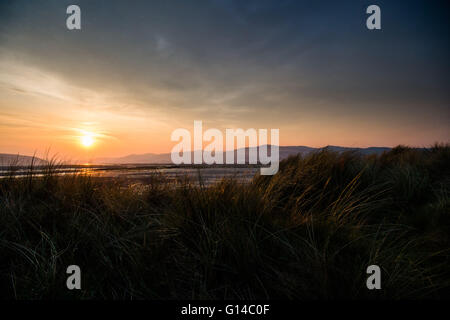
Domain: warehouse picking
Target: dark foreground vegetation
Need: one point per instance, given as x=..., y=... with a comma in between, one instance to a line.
x=309, y=232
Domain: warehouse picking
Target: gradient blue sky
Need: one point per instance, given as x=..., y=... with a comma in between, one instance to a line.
x=139, y=69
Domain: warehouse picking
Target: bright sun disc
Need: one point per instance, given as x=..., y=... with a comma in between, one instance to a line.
x=87, y=141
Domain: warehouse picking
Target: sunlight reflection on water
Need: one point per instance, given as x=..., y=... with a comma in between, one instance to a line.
x=198, y=175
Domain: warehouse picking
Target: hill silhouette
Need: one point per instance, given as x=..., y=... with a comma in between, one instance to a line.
x=285, y=152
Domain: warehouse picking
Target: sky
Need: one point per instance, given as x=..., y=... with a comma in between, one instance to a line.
x=138, y=70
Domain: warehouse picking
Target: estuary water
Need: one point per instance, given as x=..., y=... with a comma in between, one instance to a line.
x=198, y=175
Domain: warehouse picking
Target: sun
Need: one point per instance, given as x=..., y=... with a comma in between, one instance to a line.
x=87, y=140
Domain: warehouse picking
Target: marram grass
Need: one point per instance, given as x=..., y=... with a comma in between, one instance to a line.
x=308, y=232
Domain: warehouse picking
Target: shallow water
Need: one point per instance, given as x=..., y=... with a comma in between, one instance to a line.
x=204, y=176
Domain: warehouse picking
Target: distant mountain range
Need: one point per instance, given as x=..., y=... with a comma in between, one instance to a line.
x=164, y=158
x=7, y=159
x=285, y=151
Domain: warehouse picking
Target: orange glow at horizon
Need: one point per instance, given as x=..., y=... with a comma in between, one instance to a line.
x=95, y=123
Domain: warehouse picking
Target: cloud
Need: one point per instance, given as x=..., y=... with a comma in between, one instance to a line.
x=246, y=63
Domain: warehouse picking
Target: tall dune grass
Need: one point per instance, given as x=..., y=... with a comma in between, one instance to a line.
x=308, y=232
